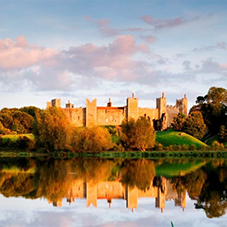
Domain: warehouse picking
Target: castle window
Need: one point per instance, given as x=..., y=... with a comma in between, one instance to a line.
x=78, y=117
x=105, y=111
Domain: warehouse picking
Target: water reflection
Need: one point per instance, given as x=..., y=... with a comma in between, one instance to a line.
x=101, y=179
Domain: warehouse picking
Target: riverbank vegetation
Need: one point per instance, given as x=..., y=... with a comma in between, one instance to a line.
x=30, y=128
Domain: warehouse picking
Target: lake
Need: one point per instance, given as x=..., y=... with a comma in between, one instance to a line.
x=46, y=192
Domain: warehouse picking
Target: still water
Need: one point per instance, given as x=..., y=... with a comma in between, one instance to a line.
x=116, y=192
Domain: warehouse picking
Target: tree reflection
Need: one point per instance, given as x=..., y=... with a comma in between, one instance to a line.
x=117, y=178
x=138, y=173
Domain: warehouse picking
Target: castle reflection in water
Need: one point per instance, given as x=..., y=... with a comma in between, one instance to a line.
x=161, y=189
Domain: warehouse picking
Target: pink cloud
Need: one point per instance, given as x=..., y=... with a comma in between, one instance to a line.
x=88, y=18
x=159, y=24
x=148, y=19
x=20, y=54
x=103, y=22
x=40, y=66
x=149, y=39
x=106, y=30
x=223, y=66
x=111, y=61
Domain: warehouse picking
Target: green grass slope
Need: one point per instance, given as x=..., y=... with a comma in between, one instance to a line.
x=178, y=169
x=170, y=137
x=13, y=138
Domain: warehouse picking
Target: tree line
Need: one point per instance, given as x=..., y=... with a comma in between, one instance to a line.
x=54, y=131
x=207, y=118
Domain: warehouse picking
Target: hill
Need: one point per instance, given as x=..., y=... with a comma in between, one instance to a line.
x=13, y=138
x=170, y=137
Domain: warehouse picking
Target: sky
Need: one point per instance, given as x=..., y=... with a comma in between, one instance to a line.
x=20, y=212
x=102, y=49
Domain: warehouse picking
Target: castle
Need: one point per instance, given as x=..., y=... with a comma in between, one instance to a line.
x=112, y=190
x=92, y=115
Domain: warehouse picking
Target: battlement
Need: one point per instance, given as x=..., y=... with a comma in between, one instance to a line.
x=109, y=115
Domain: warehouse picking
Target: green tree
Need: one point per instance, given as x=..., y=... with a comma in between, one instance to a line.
x=178, y=122
x=31, y=110
x=223, y=134
x=213, y=107
x=194, y=125
x=52, y=129
x=138, y=134
x=23, y=120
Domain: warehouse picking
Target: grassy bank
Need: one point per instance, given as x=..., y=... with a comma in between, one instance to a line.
x=170, y=137
x=14, y=138
x=169, y=140
x=128, y=155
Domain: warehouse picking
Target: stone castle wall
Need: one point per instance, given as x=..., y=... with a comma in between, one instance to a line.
x=171, y=111
x=150, y=114
x=110, y=115
x=94, y=115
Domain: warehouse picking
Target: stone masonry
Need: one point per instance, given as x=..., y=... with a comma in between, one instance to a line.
x=92, y=114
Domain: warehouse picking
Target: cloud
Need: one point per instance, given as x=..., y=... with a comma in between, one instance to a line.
x=187, y=65
x=28, y=65
x=19, y=54
x=109, y=62
x=88, y=18
x=220, y=46
x=159, y=24
x=149, y=38
x=106, y=30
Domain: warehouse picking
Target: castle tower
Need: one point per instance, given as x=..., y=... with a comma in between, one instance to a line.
x=91, y=113
x=109, y=104
x=182, y=104
x=183, y=200
x=69, y=105
x=54, y=103
x=185, y=105
x=132, y=198
x=161, y=105
x=91, y=191
x=132, y=108
x=160, y=200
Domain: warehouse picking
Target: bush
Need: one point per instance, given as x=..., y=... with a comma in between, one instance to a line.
x=95, y=139
x=25, y=143
x=158, y=147
x=185, y=147
x=138, y=134
x=217, y=146
x=193, y=147
x=1, y=142
x=52, y=129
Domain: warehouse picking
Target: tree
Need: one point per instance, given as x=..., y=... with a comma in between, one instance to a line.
x=138, y=134
x=178, y=122
x=6, y=119
x=93, y=139
x=223, y=134
x=52, y=129
x=31, y=110
x=194, y=125
x=138, y=173
x=213, y=107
